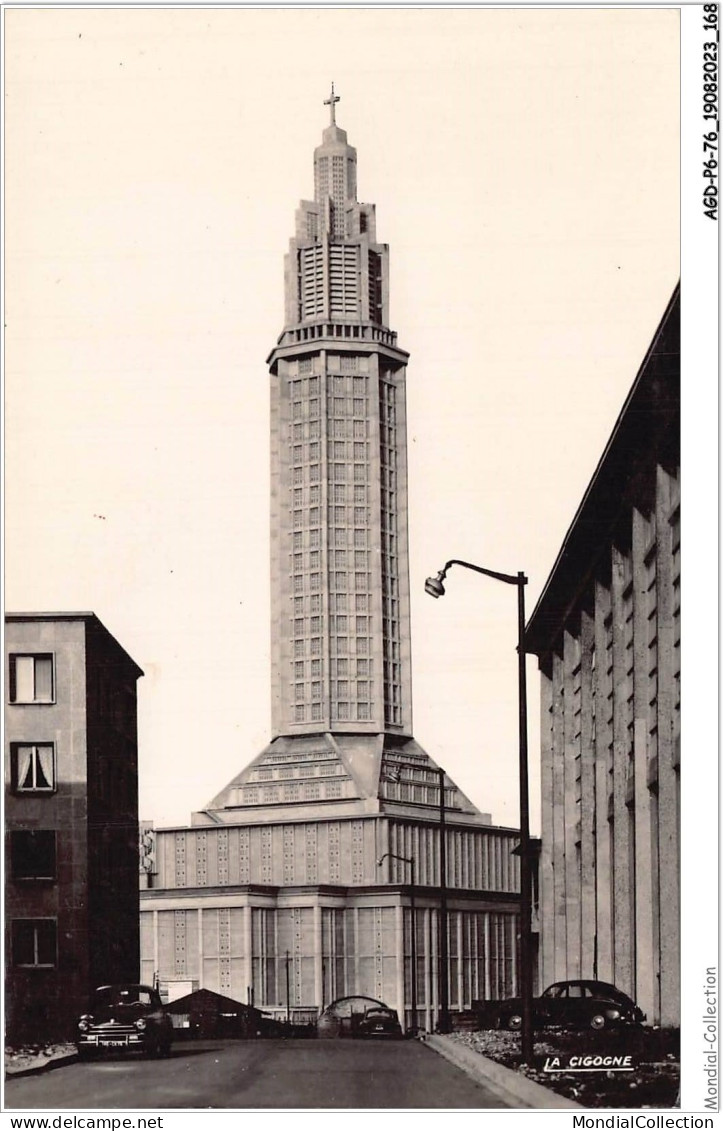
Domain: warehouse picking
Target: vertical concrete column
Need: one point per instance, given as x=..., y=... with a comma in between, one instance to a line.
x=318, y=959
x=402, y=531
x=462, y=959
x=622, y=920
x=399, y=948
x=376, y=605
x=355, y=963
x=645, y=973
x=587, y=809
x=199, y=932
x=324, y=548
x=279, y=523
x=431, y=969
x=326, y=272
x=603, y=738
x=668, y=830
x=571, y=747
x=547, y=875
x=248, y=952
x=486, y=963
x=558, y=818
x=156, y=960
x=363, y=245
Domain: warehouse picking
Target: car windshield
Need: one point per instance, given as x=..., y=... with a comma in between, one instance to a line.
x=347, y=1006
x=109, y=996
x=554, y=991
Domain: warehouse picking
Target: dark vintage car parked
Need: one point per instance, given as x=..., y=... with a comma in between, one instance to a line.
x=379, y=1021
x=358, y=1016
x=577, y=1004
x=124, y=1017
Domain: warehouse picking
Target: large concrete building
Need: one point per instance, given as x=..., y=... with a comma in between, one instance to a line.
x=280, y=872
x=71, y=819
x=607, y=633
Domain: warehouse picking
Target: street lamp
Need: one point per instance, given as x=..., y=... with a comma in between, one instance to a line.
x=435, y=587
x=409, y=860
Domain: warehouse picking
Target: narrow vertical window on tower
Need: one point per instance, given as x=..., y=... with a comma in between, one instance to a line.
x=311, y=282
x=375, y=287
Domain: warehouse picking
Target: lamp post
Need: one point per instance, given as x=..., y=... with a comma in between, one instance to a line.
x=409, y=860
x=435, y=587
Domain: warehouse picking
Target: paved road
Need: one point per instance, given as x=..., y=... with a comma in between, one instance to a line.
x=259, y=1074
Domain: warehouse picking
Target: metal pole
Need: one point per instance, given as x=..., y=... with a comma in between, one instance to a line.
x=434, y=586
x=525, y=862
x=443, y=1023
x=413, y=914
x=413, y=911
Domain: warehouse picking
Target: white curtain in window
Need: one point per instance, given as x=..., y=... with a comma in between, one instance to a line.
x=25, y=757
x=44, y=774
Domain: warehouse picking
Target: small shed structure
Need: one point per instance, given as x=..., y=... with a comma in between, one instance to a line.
x=206, y=1014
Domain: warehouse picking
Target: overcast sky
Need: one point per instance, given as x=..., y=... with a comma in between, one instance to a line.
x=524, y=164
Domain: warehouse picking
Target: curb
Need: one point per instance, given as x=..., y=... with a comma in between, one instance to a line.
x=45, y=1066
x=513, y=1087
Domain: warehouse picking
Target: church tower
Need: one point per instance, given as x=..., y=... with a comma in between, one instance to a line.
x=317, y=873
x=340, y=618
x=340, y=563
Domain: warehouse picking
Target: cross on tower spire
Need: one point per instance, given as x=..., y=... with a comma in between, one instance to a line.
x=330, y=102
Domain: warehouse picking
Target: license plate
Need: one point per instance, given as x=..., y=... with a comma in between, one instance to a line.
x=114, y=1044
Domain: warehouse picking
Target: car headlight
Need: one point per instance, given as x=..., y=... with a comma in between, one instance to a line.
x=141, y=1023
x=84, y=1024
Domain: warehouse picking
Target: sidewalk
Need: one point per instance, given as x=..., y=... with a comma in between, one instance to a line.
x=26, y=1062
x=513, y=1087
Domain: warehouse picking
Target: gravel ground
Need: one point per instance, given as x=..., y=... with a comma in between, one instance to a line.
x=33, y=1056
x=654, y=1084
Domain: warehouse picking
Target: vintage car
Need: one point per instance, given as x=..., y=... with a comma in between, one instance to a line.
x=357, y=1016
x=379, y=1021
x=577, y=1004
x=124, y=1017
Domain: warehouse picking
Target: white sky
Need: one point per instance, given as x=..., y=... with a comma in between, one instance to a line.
x=524, y=164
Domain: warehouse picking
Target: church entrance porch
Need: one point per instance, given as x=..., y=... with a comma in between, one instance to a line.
x=293, y=952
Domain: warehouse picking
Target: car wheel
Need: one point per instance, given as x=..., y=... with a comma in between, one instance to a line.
x=598, y=1021
x=514, y=1021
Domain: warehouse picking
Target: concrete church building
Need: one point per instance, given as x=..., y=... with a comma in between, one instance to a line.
x=606, y=631
x=278, y=880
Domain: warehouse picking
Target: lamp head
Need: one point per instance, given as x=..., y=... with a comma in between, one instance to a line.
x=434, y=586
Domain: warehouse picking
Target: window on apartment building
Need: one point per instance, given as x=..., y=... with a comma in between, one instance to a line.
x=34, y=942
x=32, y=767
x=32, y=854
x=31, y=679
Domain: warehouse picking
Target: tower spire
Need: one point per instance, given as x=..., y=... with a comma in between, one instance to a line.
x=331, y=103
